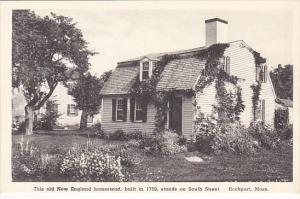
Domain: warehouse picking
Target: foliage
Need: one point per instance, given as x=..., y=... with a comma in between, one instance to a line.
x=99, y=131
x=282, y=79
x=281, y=118
x=118, y=134
x=90, y=166
x=48, y=120
x=213, y=137
x=134, y=135
x=228, y=105
x=29, y=163
x=285, y=132
x=163, y=144
x=41, y=49
x=256, y=88
x=86, y=94
x=258, y=58
x=146, y=91
x=264, y=134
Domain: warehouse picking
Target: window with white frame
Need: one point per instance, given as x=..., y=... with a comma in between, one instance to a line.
x=119, y=110
x=90, y=119
x=72, y=108
x=262, y=73
x=145, y=70
x=225, y=64
x=138, y=111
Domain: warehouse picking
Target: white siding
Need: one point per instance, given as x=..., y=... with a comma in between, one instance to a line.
x=62, y=98
x=242, y=65
x=110, y=126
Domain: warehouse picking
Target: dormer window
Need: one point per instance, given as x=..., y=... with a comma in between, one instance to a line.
x=145, y=70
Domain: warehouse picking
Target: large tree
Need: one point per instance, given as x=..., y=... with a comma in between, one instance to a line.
x=43, y=50
x=282, y=79
x=86, y=93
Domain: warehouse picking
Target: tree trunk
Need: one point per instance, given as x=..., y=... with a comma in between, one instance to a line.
x=29, y=120
x=83, y=119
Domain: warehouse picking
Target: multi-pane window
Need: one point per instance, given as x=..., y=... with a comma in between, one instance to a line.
x=145, y=70
x=262, y=73
x=119, y=109
x=72, y=108
x=226, y=64
x=138, y=111
x=90, y=119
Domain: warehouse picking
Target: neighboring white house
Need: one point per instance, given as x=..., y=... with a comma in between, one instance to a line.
x=64, y=104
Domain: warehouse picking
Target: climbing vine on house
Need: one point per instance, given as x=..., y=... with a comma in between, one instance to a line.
x=146, y=92
x=256, y=88
x=229, y=105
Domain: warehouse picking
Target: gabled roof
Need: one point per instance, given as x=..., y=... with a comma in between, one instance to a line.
x=121, y=80
x=181, y=74
x=178, y=74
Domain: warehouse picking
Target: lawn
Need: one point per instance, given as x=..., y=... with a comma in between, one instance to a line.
x=268, y=165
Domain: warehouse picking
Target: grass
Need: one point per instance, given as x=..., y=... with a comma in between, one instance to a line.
x=268, y=165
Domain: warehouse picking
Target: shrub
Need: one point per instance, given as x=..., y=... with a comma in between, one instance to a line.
x=165, y=143
x=212, y=137
x=26, y=162
x=264, y=134
x=281, y=118
x=233, y=137
x=48, y=119
x=118, y=135
x=135, y=135
x=182, y=140
x=286, y=132
x=98, y=131
x=90, y=166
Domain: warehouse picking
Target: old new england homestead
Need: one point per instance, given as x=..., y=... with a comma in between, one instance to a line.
x=181, y=75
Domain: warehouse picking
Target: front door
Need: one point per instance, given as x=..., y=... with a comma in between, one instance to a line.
x=175, y=115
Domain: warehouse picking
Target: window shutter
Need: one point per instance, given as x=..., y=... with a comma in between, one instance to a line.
x=124, y=109
x=113, y=110
x=228, y=65
x=263, y=110
x=265, y=73
x=76, y=110
x=68, y=110
x=144, y=107
x=257, y=73
x=132, y=107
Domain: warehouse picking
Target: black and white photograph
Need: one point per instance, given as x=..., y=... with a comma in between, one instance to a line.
x=152, y=95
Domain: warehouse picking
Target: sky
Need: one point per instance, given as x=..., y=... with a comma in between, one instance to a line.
x=118, y=35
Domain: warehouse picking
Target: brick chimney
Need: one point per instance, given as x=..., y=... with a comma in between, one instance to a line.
x=216, y=31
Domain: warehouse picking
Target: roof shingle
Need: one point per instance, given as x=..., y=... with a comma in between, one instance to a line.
x=181, y=74
x=120, y=81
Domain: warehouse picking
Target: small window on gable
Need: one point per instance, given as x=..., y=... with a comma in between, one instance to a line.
x=145, y=70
